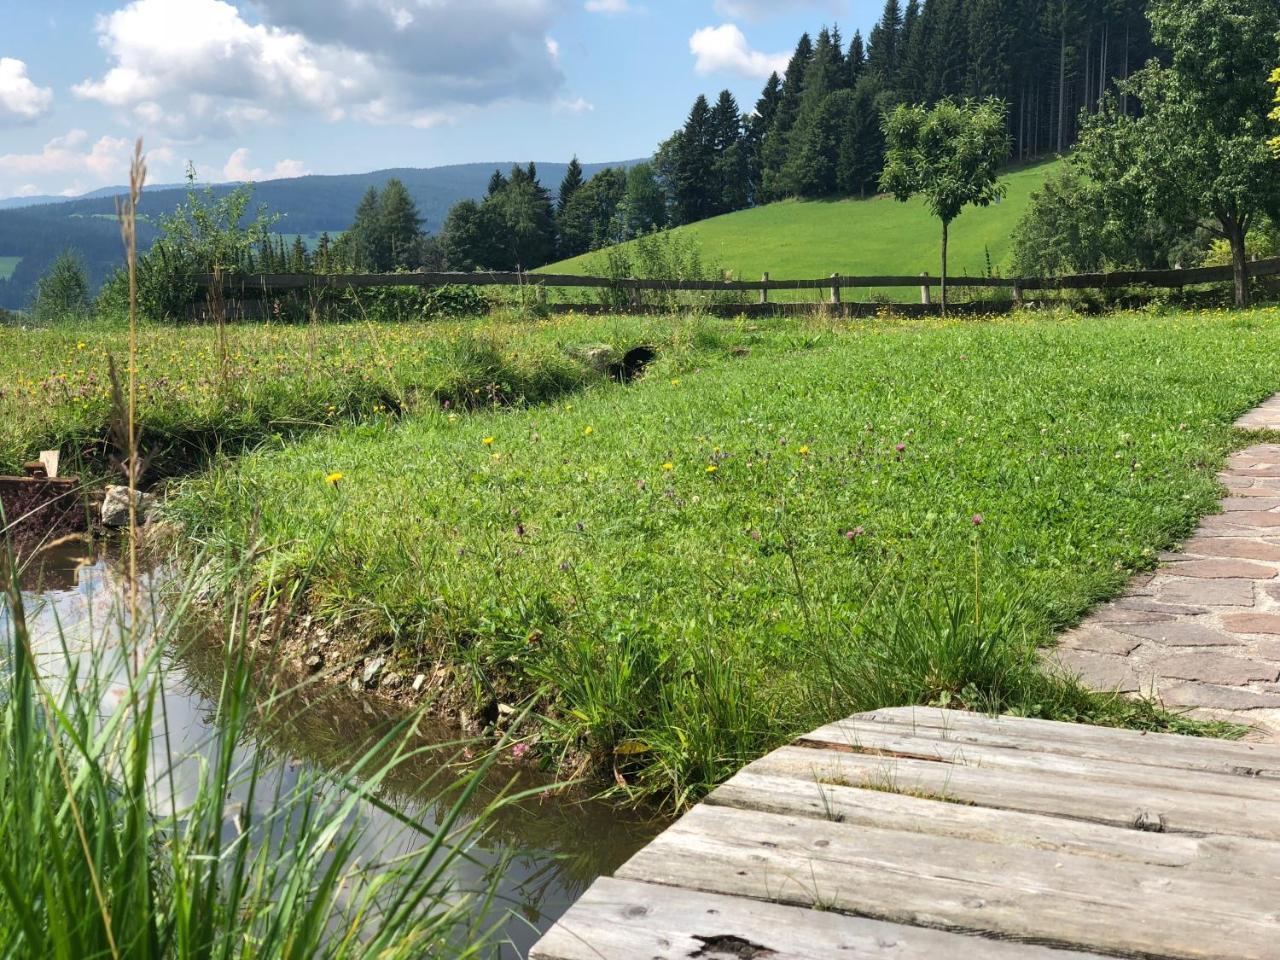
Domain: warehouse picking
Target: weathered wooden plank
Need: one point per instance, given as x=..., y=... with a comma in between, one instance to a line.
x=1038, y=896
x=1063, y=795
x=887, y=740
x=627, y=920
x=1104, y=743
x=792, y=796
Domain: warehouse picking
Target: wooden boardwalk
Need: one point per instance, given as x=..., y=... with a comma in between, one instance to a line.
x=917, y=833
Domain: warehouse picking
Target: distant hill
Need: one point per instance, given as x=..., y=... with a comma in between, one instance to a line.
x=798, y=240
x=36, y=232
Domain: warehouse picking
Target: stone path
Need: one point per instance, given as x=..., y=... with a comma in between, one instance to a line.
x=1202, y=633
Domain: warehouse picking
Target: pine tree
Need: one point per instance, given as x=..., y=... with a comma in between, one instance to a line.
x=496, y=183
x=882, y=57
x=399, y=228
x=856, y=61
x=572, y=182
x=776, y=145
x=363, y=237
x=696, y=193
x=299, y=261
x=756, y=128
x=731, y=173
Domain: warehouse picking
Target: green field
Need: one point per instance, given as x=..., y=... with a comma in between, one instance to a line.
x=798, y=522
x=7, y=266
x=280, y=381
x=809, y=239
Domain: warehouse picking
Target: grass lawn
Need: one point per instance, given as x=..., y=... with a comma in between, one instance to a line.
x=687, y=572
x=808, y=239
x=7, y=266
x=280, y=381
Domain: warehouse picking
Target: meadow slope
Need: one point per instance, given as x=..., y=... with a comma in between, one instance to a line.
x=805, y=239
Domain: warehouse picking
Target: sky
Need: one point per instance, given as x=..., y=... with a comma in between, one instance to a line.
x=261, y=89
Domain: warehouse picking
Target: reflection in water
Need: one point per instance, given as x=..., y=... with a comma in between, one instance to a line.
x=542, y=852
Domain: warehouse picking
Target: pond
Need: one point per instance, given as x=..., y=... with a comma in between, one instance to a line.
x=542, y=852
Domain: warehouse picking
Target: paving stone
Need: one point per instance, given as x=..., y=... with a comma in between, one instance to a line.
x=1122, y=615
x=1216, y=668
x=1214, y=697
x=1151, y=606
x=1244, y=548
x=1260, y=519
x=1272, y=590
x=1099, y=671
x=1180, y=633
x=1239, y=504
x=1265, y=650
x=1255, y=471
x=1253, y=493
x=1212, y=593
x=1252, y=623
x=1222, y=569
x=1099, y=640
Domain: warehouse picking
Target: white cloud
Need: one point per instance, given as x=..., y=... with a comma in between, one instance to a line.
x=75, y=162
x=724, y=49
x=574, y=105
x=237, y=168
x=199, y=67
x=20, y=99
x=607, y=6
x=760, y=9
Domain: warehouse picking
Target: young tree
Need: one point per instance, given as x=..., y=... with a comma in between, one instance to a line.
x=571, y=184
x=1199, y=149
x=363, y=241
x=949, y=154
x=63, y=292
x=468, y=238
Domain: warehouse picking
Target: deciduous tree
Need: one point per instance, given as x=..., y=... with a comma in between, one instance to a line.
x=950, y=155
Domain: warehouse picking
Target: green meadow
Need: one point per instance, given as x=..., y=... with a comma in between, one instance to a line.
x=799, y=239
x=782, y=523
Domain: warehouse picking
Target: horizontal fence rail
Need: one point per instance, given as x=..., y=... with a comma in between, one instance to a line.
x=266, y=284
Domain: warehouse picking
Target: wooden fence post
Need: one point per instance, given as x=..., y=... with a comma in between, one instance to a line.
x=926, y=295
x=835, y=289
x=764, y=291
x=1017, y=294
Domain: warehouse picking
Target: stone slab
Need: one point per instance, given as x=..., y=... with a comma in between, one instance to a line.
x=1181, y=633
x=1217, y=668
x=1222, y=569
x=1211, y=593
x=1208, y=696
x=1242, y=548
x=1097, y=670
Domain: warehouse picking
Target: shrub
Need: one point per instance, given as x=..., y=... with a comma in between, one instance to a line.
x=63, y=292
x=658, y=256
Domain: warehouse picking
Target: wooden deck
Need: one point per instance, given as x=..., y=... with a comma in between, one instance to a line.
x=919, y=833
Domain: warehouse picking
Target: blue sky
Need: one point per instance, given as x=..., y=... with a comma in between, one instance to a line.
x=251, y=89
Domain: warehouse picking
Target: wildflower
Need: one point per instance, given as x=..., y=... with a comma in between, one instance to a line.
x=712, y=468
x=803, y=451
x=855, y=533
x=977, y=519
x=520, y=530
x=588, y=431
x=519, y=750
x=333, y=479
x=668, y=465
x=675, y=382
x=901, y=448
x=487, y=441
x=81, y=345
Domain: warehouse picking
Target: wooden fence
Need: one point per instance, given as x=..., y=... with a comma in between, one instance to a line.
x=267, y=286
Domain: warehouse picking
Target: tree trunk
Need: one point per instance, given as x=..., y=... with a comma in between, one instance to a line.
x=943, y=298
x=1239, y=264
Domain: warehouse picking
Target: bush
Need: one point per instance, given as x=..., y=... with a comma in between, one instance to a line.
x=658, y=256
x=404, y=304
x=63, y=292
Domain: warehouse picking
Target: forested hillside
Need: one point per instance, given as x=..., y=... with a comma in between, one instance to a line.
x=306, y=205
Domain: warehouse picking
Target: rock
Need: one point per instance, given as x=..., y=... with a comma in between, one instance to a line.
x=115, y=506
x=419, y=682
x=371, y=670
x=314, y=663
x=505, y=709
x=392, y=681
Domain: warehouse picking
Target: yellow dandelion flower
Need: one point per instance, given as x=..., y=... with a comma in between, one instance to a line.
x=488, y=441
x=803, y=451
x=668, y=465
x=81, y=345
x=712, y=468
x=675, y=382
x=333, y=479
x=588, y=431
